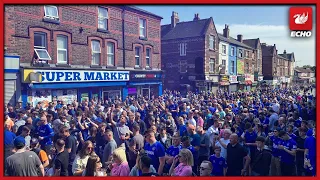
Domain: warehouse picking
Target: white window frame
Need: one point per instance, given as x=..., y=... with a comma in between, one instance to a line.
x=50, y=16
x=240, y=50
x=232, y=67
x=111, y=54
x=137, y=56
x=102, y=18
x=224, y=49
x=212, y=61
x=224, y=62
x=232, y=51
x=183, y=49
x=36, y=51
x=148, y=57
x=211, y=42
x=41, y=48
x=95, y=52
x=60, y=49
x=143, y=27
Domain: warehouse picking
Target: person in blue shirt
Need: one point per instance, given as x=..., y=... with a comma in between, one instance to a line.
x=249, y=137
x=173, y=108
x=288, y=150
x=46, y=134
x=9, y=137
x=182, y=128
x=290, y=129
x=155, y=151
x=275, y=141
x=172, y=151
x=219, y=163
x=310, y=153
x=195, y=141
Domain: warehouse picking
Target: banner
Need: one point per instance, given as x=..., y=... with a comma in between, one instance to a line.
x=43, y=96
x=240, y=66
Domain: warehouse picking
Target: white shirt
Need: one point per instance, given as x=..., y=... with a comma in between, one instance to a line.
x=223, y=150
x=211, y=133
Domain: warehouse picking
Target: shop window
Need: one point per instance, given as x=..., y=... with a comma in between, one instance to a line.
x=142, y=28
x=62, y=49
x=137, y=56
x=40, y=46
x=102, y=18
x=110, y=54
x=51, y=12
x=96, y=52
x=148, y=57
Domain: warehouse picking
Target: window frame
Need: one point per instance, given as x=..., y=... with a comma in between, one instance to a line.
x=212, y=61
x=224, y=49
x=224, y=62
x=144, y=27
x=232, y=51
x=183, y=49
x=135, y=57
x=212, y=42
x=59, y=49
x=45, y=50
x=45, y=40
x=95, y=52
x=101, y=18
x=232, y=67
x=148, y=57
x=240, y=50
x=111, y=54
x=49, y=16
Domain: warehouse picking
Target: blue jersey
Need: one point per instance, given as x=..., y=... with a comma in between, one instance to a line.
x=182, y=130
x=155, y=151
x=250, y=137
x=286, y=157
x=293, y=136
x=9, y=138
x=47, y=133
x=173, y=150
x=218, y=165
x=310, y=144
x=275, y=143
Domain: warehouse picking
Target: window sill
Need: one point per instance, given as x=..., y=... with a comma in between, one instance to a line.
x=63, y=65
x=96, y=66
x=212, y=49
x=136, y=67
x=54, y=21
x=148, y=68
x=143, y=38
x=103, y=30
x=111, y=67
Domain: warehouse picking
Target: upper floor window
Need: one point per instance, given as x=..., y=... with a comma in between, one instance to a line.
x=110, y=54
x=211, y=64
x=224, y=49
x=148, y=57
x=240, y=53
x=62, y=49
x=224, y=62
x=142, y=28
x=247, y=54
x=183, y=49
x=95, y=52
x=51, y=12
x=232, y=67
x=232, y=51
x=258, y=54
x=137, y=56
x=40, y=46
x=212, y=42
x=102, y=18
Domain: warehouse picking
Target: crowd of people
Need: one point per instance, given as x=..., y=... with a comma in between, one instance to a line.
x=262, y=132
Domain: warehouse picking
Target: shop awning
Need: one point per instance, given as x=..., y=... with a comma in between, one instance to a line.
x=76, y=85
x=143, y=83
x=248, y=82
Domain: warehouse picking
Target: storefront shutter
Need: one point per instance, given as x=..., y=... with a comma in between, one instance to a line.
x=9, y=91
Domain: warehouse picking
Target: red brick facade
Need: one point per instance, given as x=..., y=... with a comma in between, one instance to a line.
x=80, y=24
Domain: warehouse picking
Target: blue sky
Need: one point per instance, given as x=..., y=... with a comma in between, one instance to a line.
x=269, y=23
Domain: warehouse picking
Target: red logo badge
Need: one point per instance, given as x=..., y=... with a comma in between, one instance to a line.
x=300, y=18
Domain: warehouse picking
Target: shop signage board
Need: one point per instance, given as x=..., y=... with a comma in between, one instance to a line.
x=233, y=79
x=58, y=76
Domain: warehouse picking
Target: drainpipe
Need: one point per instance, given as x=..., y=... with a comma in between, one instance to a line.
x=123, y=40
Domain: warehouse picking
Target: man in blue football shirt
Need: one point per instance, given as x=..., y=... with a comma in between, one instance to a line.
x=172, y=151
x=275, y=141
x=288, y=149
x=310, y=153
x=155, y=151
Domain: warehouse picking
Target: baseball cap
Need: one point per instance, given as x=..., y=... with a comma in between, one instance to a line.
x=19, y=141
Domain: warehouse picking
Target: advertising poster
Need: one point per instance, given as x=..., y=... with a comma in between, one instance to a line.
x=240, y=66
x=84, y=97
x=67, y=96
x=43, y=96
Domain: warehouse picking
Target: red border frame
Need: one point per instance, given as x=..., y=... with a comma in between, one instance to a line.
x=231, y=2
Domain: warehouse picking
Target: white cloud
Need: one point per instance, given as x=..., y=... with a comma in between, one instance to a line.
x=303, y=48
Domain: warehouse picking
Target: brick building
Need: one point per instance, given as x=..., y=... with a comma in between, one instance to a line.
x=190, y=53
x=84, y=51
x=257, y=59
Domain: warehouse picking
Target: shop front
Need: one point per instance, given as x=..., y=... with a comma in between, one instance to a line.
x=12, y=89
x=248, y=82
x=46, y=85
x=241, y=83
x=212, y=83
x=233, y=83
x=224, y=83
x=145, y=83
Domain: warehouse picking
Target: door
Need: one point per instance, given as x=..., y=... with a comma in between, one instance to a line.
x=146, y=92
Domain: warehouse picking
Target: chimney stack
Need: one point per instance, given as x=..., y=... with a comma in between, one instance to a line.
x=196, y=17
x=239, y=38
x=284, y=52
x=174, y=19
x=226, y=31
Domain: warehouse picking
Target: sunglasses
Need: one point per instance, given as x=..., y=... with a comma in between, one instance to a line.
x=202, y=168
x=90, y=148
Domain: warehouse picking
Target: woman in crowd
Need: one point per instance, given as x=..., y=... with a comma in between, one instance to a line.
x=81, y=160
x=120, y=166
x=185, y=158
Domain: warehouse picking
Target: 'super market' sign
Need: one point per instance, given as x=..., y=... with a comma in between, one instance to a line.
x=52, y=76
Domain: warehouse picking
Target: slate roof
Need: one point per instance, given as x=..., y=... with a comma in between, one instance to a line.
x=303, y=70
x=144, y=11
x=251, y=42
x=186, y=29
x=231, y=40
x=283, y=56
x=289, y=56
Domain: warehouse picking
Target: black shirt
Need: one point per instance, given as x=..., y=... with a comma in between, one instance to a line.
x=235, y=155
x=61, y=162
x=300, y=145
x=261, y=160
x=71, y=142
